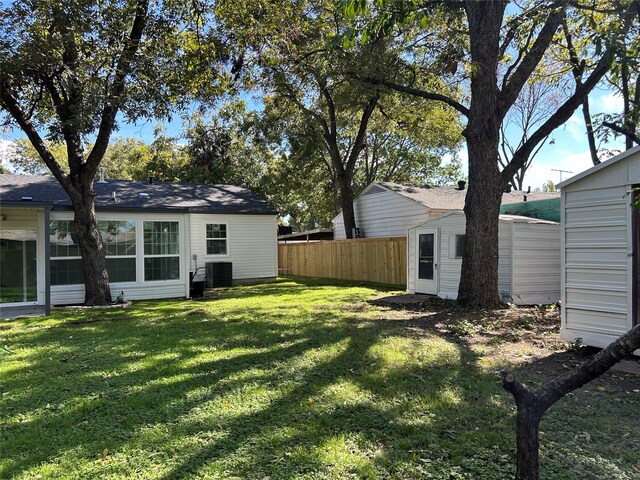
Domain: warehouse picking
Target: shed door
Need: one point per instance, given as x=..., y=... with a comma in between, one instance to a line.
x=427, y=258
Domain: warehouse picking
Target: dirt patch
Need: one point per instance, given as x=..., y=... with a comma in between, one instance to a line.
x=525, y=339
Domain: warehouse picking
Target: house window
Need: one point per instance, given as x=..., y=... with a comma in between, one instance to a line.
x=66, y=262
x=216, y=238
x=119, y=238
x=161, y=251
x=459, y=246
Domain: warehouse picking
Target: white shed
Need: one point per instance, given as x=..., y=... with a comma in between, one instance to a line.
x=385, y=209
x=528, y=264
x=600, y=238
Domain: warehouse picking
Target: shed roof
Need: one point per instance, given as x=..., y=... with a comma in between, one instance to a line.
x=452, y=198
x=600, y=166
x=502, y=218
x=160, y=196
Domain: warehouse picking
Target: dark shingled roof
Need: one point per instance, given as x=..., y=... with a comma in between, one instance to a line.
x=162, y=196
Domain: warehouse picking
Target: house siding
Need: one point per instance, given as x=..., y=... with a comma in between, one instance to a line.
x=251, y=245
x=383, y=214
x=138, y=290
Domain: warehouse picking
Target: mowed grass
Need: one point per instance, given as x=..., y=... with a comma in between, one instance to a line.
x=295, y=379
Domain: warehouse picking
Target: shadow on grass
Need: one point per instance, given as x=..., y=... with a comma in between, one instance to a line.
x=136, y=379
x=249, y=387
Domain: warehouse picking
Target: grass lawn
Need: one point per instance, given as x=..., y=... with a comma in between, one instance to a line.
x=296, y=379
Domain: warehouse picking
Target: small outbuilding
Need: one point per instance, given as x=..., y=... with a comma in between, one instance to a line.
x=385, y=209
x=600, y=238
x=528, y=264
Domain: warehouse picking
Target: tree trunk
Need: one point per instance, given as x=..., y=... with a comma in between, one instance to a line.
x=346, y=203
x=528, y=417
x=531, y=406
x=479, y=276
x=94, y=265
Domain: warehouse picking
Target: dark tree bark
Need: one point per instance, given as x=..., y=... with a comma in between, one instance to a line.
x=532, y=405
x=94, y=266
x=482, y=205
x=68, y=104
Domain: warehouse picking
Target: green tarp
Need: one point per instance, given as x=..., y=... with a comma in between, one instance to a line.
x=543, y=209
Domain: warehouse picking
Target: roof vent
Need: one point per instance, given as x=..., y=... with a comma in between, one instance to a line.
x=27, y=199
x=461, y=184
x=113, y=196
x=150, y=180
x=143, y=195
x=524, y=197
x=101, y=180
x=508, y=188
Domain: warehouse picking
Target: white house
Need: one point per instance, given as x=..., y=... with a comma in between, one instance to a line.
x=601, y=251
x=155, y=234
x=528, y=263
x=386, y=209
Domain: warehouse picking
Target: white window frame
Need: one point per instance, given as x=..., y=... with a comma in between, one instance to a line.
x=134, y=256
x=226, y=239
x=144, y=256
x=107, y=257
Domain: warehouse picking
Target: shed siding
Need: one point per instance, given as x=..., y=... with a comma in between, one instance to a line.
x=383, y=214
x=251, y=246
x=546, y=289
x=536, y=263
x=411, y=260
x=504, y=262
x=449, y=268
x=597, y=268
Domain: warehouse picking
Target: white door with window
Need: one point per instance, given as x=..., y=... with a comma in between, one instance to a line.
x=427, y=261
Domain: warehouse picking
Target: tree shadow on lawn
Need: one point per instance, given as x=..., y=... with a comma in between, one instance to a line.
x=382, y=432
x=183, y=391
x=118, y=382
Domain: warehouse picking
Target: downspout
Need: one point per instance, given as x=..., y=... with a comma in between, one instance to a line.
x=47, y=262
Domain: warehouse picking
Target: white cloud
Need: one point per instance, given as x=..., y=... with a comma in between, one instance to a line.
x=543, y=170
x=607, y=103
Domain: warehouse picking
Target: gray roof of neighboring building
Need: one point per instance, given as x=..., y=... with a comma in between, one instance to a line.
x=162, y=196
x=452, y=198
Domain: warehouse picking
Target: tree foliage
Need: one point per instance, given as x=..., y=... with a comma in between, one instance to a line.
x=67, y=69
x=314, y=104
x=490, y=55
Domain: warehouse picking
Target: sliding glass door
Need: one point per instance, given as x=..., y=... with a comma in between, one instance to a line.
x=18, y=266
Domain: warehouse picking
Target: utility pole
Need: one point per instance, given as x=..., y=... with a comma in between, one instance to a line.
x=561, y=172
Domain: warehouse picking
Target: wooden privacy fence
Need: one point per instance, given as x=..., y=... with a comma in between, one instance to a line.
x=378, y=260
